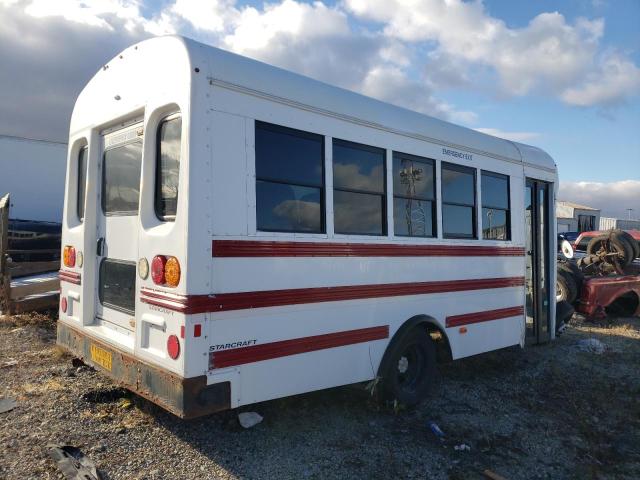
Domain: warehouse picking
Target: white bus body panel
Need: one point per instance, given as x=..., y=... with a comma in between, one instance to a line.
x=219, y=96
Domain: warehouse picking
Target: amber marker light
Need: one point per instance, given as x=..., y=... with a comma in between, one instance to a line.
x=172, y=272
x=69, y=256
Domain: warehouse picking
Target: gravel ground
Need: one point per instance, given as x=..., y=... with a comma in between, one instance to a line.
x=549, y=411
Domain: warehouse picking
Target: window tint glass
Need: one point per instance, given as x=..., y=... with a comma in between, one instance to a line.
x=357, y=167
x=358, y=197
x=495, y=206
x=358, y=213
x=458, y=201
x=494, y=224
x=289, y=180
x=288, y=155
x=117, y=285
x=457, y=186
x=82, y=180
x=413, y=185
x=412, y=217
x=121, y=179
x=290, y=208
x=457, y=221
x=168, y=168
x=413, y=178
x=495, y=191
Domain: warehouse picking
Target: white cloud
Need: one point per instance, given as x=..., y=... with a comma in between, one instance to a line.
x=613, y=198
x=515, y=136
x=61, y=44
x=406, y=54
x=615, y=76
x=548, y=55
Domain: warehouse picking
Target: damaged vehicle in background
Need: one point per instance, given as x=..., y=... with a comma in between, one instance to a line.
x=604, y=279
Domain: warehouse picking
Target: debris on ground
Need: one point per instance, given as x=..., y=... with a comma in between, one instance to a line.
x=433, y=426
x=9, y=363
x=249, y=419
x=74, y=464
x=492, y=475
x=592, y=345
x=7, y=404
x=462, y=447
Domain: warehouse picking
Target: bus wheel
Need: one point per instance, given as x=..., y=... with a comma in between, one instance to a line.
x=408, y=368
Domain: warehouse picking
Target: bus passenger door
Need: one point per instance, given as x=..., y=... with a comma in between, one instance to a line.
x=536, y=202
x=117, y=223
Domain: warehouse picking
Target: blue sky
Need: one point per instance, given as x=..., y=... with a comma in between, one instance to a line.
x=561, y=75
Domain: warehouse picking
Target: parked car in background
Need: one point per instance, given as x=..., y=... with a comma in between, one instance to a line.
x=569, y=236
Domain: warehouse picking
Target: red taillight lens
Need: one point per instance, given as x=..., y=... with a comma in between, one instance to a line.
x=173, y=347
x=157, y=269
x=63, y=304
x=69, y=256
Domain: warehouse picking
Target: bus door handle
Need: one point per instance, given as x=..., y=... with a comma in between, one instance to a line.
x=100, y=247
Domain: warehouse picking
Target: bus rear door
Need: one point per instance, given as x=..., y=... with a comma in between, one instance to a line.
x=117, y=225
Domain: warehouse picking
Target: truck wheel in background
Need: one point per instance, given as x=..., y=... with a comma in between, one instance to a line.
x=566, y=288
x=574, y=270
x=624, y=236
x=408, y=367
x=612, y=243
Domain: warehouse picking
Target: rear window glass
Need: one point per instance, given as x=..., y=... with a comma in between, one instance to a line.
x=82, y=179
x=118, y=285
x=121, y=179
x=168, y=168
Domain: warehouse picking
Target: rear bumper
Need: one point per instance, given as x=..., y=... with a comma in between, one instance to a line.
x=184, y=397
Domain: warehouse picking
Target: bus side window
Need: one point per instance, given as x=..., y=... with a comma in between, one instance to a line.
x=414, y=196
x=82, y=180
x=458, y=201
x=495, y=206
x=289, y=180
x=168, y=168
x=359, y=189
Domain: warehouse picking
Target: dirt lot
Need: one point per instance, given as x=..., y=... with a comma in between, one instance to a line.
x=551, y=411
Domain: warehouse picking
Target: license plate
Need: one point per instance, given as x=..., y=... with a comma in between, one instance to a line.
x=101, y=356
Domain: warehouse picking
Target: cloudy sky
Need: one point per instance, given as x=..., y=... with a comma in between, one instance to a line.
x=561, y=75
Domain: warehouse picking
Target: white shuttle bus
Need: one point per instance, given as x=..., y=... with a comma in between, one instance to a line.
x=235, y=233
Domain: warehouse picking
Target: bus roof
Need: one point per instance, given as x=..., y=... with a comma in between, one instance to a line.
x=179, y=54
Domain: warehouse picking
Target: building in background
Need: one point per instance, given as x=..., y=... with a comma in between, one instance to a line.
x=607, y=223
x=573, y=217
x=33, y=172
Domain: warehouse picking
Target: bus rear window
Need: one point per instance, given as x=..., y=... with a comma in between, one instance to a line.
x=121, y=179
x=168, y=168
x=82, y=179
x=117, y=285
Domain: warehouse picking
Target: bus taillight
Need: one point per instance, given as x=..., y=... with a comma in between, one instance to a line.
x=69, y=256
x=165, y=271
x=157, y=269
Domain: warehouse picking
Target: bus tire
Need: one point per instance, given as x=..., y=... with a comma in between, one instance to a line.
x=408, y=368
x=566, y=287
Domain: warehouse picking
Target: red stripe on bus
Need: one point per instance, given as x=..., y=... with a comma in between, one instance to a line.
x=190, y=304
x=477, y=317
x=71, y=277
x=284, y=348
x=251, y=248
